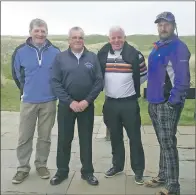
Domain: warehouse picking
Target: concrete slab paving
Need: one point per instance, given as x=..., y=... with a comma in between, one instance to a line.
x=186, y=157
x=106, y=185
x=62, y=188
x=134, y=189
x=101, y=148
x=98, y=120
x=142, y=129
x=186, y=141
x=9, y=142
x=148, y=129
x=102, y=160
x=74, y=163
x=151, y=164
x=186, y=154
x=100, y=136
x=187, y=170
x=149, y=140
x=103, y=164
x=187, y=187
x=186, y=130
x=8, y=159
x=102, y=129
x=33, y=184
x=3, y=133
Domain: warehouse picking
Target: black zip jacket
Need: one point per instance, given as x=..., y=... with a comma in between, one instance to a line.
x=74, y=79
x=130, y=55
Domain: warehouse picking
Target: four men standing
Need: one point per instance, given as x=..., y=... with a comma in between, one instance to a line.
x=76, y=77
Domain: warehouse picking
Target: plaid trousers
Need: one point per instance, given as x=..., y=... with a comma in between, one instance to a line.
x=165, y=121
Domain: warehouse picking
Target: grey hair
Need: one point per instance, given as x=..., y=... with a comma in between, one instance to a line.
x=116, y=29
x=75, y=28
x=37, y=22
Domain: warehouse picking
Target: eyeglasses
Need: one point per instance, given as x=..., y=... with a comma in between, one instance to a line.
x=77, y=38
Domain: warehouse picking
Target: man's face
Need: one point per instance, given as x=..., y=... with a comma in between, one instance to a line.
x=76, y=40
x=38, y=34
x=165, y=29
x=117, y=40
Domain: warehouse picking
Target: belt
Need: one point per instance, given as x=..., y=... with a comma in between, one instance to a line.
x=133, y=97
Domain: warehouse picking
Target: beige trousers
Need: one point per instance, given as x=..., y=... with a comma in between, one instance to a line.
x=45, y=113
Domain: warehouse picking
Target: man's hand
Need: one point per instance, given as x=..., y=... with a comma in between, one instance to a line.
x=83, y=105
x=75, y=106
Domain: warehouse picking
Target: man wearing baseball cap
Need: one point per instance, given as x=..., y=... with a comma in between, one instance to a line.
x=168, y=82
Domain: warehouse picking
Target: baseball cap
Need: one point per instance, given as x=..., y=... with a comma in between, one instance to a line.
x=168, y=16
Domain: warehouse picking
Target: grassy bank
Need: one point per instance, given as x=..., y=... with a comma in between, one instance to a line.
x=10, y=102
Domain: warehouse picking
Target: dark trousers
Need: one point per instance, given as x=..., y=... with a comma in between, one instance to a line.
x=165, y=120
x=125, y=112
x=66, y=121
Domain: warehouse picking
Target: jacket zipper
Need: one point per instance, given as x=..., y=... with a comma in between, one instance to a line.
x=77, y=59
x=39, y=57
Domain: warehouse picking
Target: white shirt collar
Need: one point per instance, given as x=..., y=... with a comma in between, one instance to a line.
x=78, y=55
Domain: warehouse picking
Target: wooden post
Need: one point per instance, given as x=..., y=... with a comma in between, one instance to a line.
x=107, y=134
x=107, y=137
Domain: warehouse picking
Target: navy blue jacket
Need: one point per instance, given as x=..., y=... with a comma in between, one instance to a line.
x=76, y=79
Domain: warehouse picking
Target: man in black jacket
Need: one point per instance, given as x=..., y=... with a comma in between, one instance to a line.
x=77, y=81
x=124, y=69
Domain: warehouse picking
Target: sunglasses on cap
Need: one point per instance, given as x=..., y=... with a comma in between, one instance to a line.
x=168, y=16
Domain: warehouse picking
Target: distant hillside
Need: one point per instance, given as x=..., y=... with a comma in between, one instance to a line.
x=143, y=42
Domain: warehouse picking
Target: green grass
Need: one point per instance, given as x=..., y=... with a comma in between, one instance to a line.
x=10, y=97
x=10, y=100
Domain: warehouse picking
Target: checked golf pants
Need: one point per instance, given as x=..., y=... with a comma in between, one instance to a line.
x=165, y=121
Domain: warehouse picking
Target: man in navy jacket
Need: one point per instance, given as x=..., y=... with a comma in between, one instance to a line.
x=31, y=70
x=77, y=81
x=168, y=82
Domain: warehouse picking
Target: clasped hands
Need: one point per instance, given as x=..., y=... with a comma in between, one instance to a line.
x=79, y=106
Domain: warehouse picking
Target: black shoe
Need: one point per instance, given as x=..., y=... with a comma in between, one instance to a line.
x=91, y=179
x=112, y=172
x=139, y=179
x=57, y=179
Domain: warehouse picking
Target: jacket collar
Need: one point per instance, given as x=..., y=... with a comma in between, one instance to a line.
x=84, y=51
x=161, y=43
x=108, y=48
x=29, y=42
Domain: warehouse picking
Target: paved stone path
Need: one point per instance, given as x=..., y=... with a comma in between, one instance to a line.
x=121, y=184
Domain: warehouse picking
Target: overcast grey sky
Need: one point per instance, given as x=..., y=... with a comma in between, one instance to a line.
x=95, y=17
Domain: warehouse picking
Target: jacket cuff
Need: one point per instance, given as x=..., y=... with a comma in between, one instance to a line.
x=88, y=100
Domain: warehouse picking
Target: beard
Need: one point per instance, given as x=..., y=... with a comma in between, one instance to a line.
x=165, y=35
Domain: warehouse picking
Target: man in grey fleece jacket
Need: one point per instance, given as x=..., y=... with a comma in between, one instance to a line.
x=76, y=81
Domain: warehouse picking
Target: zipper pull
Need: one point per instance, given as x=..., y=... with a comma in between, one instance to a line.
x=40, y=62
